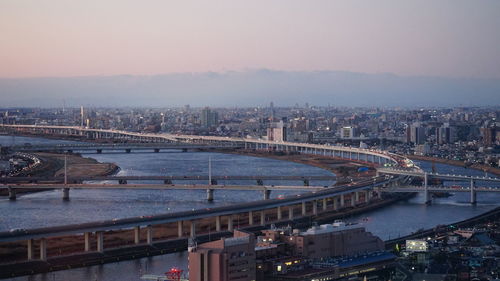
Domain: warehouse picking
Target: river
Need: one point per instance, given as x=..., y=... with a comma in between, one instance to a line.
x=31, y=210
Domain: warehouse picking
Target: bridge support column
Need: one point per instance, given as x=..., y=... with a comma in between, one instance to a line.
x=356, y=196
x=250, y=218
x=100, y=241
x=315, y=207
x=290, y=212
x=267, y=194
x=342, y=201
x=262, y=218
x=325, y=203
x=230, y=225
x=210, y=195
x=279, y=213
x=427, y=197
x=193, y=229
x=472, y=193
x=137, y=233
x=43, y=249
x=149, y=234
x=65, y=196
x=180, y=231
x=12, y=194
x=335, y=204
x=368, y=196
x=31, y=250
x=304, y=210
x=86, y=237
x=217, y=223
x=353, y=196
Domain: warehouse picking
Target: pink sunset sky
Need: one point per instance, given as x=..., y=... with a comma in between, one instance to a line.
x=451, y=38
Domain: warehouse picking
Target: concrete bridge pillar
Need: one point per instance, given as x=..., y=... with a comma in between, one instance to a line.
x=427, y=197
x=279, y=212
x=217, y=223
x=12, y=194
x=31, y=249
x=335, y=203
x=324, y=204
x=250, y=218
x=290, y=212
x=193, y=229
x=304, y=210
x=356, y=196
x=43, y=249
x=180, y=231
x=267, y=194
x=149, y=234
x=262, y=218
x=230, y=223
x=100, y=241
x=367, y=195
x=342, y=200
x=315, y=207
x=65, y=196
x=472, y=192
x=137, y=233
x=86, y=236
x=210, y=195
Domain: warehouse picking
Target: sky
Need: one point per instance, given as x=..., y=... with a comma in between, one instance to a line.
x=67, y=38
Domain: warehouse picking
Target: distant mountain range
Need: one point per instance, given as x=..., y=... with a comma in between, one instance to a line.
x=250, y=88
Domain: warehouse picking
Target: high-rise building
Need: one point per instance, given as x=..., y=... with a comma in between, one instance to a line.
x=348, y=132
x=416, y=134
x=277, y=131
x=209, y=118
x=445, y=134
x=226, y=259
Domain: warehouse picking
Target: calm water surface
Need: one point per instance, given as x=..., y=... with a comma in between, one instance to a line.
x=396, y=220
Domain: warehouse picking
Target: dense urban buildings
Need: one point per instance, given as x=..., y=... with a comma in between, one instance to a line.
x=467, y=134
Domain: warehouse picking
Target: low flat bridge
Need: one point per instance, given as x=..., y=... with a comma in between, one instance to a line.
x=120, y=147
x=266, y=189
x=420, y=174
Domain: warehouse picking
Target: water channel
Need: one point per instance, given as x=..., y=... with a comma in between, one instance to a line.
x=90, y=205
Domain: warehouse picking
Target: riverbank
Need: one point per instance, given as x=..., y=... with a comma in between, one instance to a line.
x=52, y=165
x=479, y=167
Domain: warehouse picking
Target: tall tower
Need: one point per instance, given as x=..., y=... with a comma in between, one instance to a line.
x=81, y=116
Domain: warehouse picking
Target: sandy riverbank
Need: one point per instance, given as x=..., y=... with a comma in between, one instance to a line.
x=52, y=165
